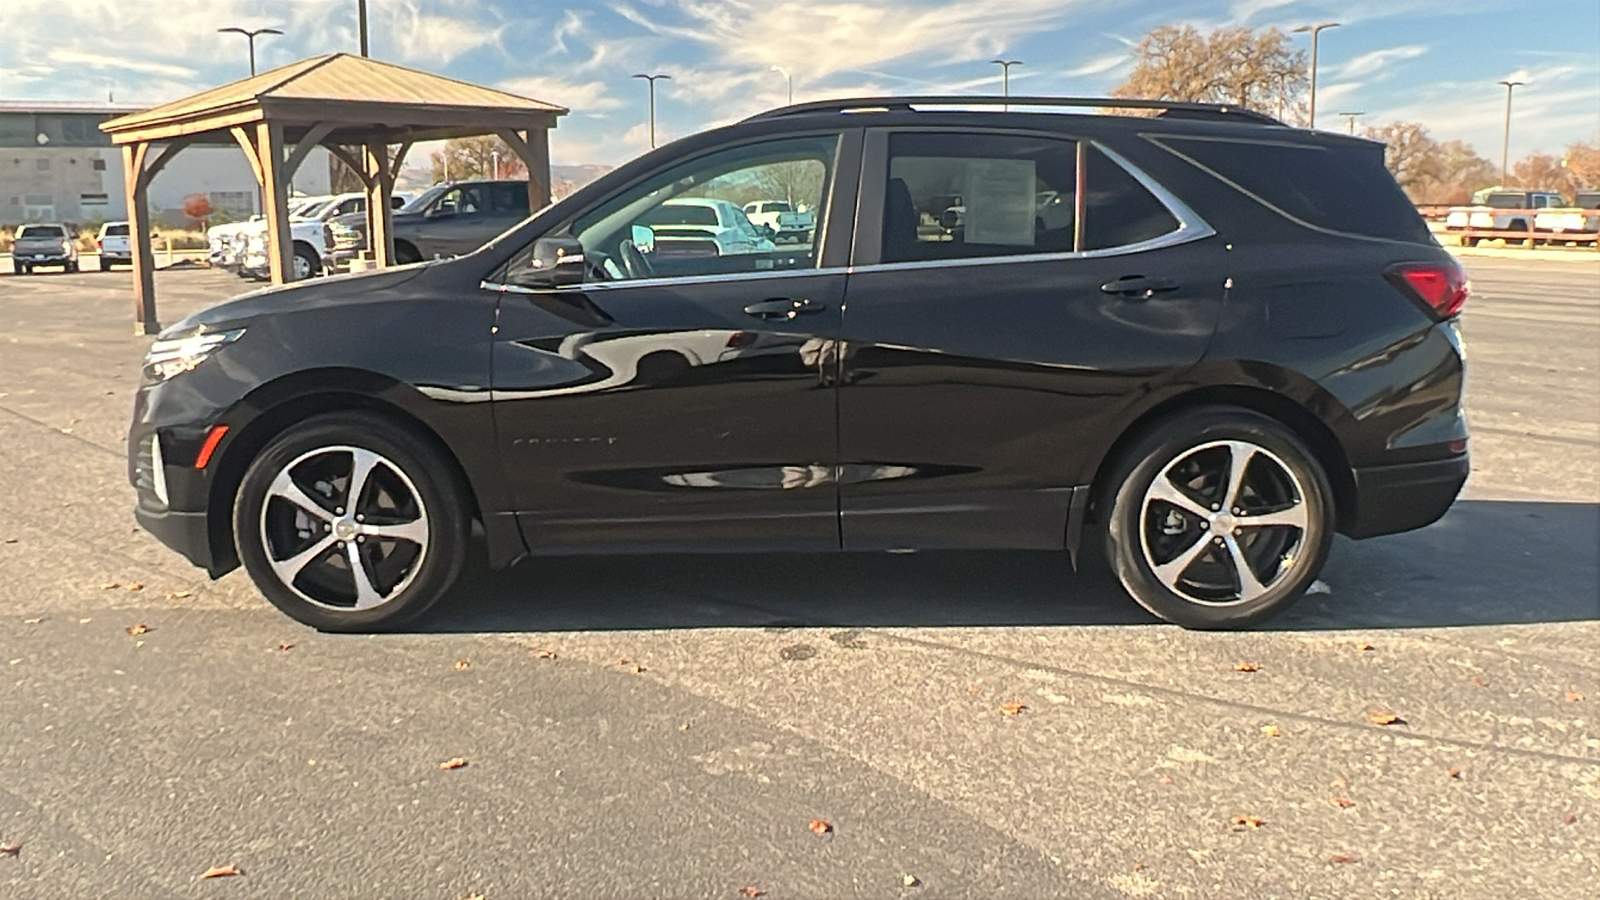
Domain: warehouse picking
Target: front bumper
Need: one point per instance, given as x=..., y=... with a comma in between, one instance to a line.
x=189, y=533
x=1392, y=499
x=41, y=259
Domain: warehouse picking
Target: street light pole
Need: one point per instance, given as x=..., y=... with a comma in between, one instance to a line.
x=495, y=155
x=361, y=24
x=653, y=79
x=1315, y=31
x=250, y=36
x=1005, y=77
x=1351, y=117
x=1505, y=142
x=787, y=78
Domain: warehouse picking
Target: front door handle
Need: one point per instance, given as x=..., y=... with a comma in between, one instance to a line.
x=1139, y=287
x=782, y=308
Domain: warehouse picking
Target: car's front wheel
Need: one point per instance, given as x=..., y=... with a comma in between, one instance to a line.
x=1220, y=518
x=348, y=522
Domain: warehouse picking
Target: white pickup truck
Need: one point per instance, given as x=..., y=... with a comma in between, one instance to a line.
x=1499, y=210
x=1582, y=217
x=781, y=220
x=113, y=245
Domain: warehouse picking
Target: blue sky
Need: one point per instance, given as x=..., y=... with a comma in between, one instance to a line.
x=1431, y=61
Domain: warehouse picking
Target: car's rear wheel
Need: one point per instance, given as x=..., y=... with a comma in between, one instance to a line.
x=405, y=253
x=349, y=522
x=105, y=266
x=1221, y=517
x=24, y=269
x=305, y=263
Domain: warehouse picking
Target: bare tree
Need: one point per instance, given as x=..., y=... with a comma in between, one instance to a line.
x=1256, y=70
x=463, y=158
x=1431, y=172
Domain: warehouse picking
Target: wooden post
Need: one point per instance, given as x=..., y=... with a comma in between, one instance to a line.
x=144, y=258
x=533, y=148
x=280, y=243
x=380, y=221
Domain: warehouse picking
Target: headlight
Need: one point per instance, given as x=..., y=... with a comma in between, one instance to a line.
x=66, y=246
x=172, y=356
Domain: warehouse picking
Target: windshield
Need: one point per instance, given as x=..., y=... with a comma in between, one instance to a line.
x=425, y=200
x=778, y=208
x=1506, y=201
x=117, y=230
x=41, y=231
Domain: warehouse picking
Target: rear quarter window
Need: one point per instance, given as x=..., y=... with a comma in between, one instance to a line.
x=1344, y=189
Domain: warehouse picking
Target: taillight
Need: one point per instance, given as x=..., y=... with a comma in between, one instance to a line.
x=1441, y=287
x=99, y=244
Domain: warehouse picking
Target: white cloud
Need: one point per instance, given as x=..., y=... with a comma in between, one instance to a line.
x=1101, y=64
x=579, y=96
x=106, y=61
x=1370, y=64
x=1244, y=10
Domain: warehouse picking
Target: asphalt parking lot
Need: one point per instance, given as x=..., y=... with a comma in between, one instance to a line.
x=671, y=727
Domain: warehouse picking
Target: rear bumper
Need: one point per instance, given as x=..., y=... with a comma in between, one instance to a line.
x=1392, y=499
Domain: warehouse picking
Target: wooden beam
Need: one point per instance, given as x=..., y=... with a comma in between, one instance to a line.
x=351, y=160
x=399, y=160
x=533, y=148
x=247, y=144
x=274, y=186
x=312, y=139
x=154, y=167
x=144, y=258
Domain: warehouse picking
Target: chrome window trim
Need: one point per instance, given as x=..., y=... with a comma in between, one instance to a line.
x=663, y=282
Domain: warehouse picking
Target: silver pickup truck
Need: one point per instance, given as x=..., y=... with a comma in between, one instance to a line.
x=43, y=245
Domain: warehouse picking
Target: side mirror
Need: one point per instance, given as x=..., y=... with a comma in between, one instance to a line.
x=644, y=237
x=556, y=262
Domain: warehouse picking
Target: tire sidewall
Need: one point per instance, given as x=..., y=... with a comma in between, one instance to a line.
x=421, y=463
x=1171, y=440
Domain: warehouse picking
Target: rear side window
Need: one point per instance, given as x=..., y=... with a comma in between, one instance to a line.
x=1117, y=210
x=974, y=195
x=1346, y=189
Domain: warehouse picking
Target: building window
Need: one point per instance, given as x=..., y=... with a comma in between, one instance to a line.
x=42, y=164
x=99, y=165
x=39, y=200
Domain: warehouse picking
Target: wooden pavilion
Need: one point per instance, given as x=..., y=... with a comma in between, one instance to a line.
x=365, y=112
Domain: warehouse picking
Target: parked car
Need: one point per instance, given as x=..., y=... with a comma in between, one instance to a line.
x=456, y=218
x=1499, y=210
x=1582, y=217
x=781, y=220
x=699, y=225
x=1242, y=340
x=348, y=230
x=113, y=244
x=43, y=245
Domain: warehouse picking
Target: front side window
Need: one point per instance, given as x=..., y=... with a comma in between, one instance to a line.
x=461, y=201
x=690, y=220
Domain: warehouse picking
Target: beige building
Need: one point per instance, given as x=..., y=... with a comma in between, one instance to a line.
x=56, y=165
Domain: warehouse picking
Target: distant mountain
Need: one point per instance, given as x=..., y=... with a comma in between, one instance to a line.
x=566, y=179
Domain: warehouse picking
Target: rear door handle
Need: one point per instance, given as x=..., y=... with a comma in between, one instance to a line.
x=782, y=308
x=1139, y=287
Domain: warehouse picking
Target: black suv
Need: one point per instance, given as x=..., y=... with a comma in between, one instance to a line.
x=1211, y=338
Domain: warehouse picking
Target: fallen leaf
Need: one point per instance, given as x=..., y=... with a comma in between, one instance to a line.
x=1012, y=708
x=286, y=646
x=10, y=849
x=33, y=621
x=1479, y=681
x=1384, y=718
x=11, y=540
x=751, y=892
x=16, y=661
x=135, y=586
x=84, y=621
x=1166, y=779
x=1248, y=822
x=462, y=665
x=1271, y=731
x=1246, y=667
x=1138, y=867
x=1573, y=696
x=1344, y=858
x=818, y=826
x=1567, y=819
x=109, y=585
x=453, y=763
x=544, y=654
x=1454, y=772
x=973, y=689
x=910, y=881
x=1363, y=646
x=140, y=628
x=177, y=595
x=220, y=872
x=1342, y=802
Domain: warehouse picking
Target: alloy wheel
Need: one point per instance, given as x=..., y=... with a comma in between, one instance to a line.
x=1224, y=523
x=344, y=528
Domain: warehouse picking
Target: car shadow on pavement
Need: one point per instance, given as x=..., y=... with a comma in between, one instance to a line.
x=1485, y=563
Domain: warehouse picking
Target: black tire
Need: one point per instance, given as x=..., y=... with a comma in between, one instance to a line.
x=309, y=257
x=408, y=575
x=1144, y=533
x=405, y=253
x=24, y=269
x=71, y=267
x=105, y=266
x=1469, y=242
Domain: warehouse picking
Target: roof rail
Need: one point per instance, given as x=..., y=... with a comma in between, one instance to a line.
x=1174, y=108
